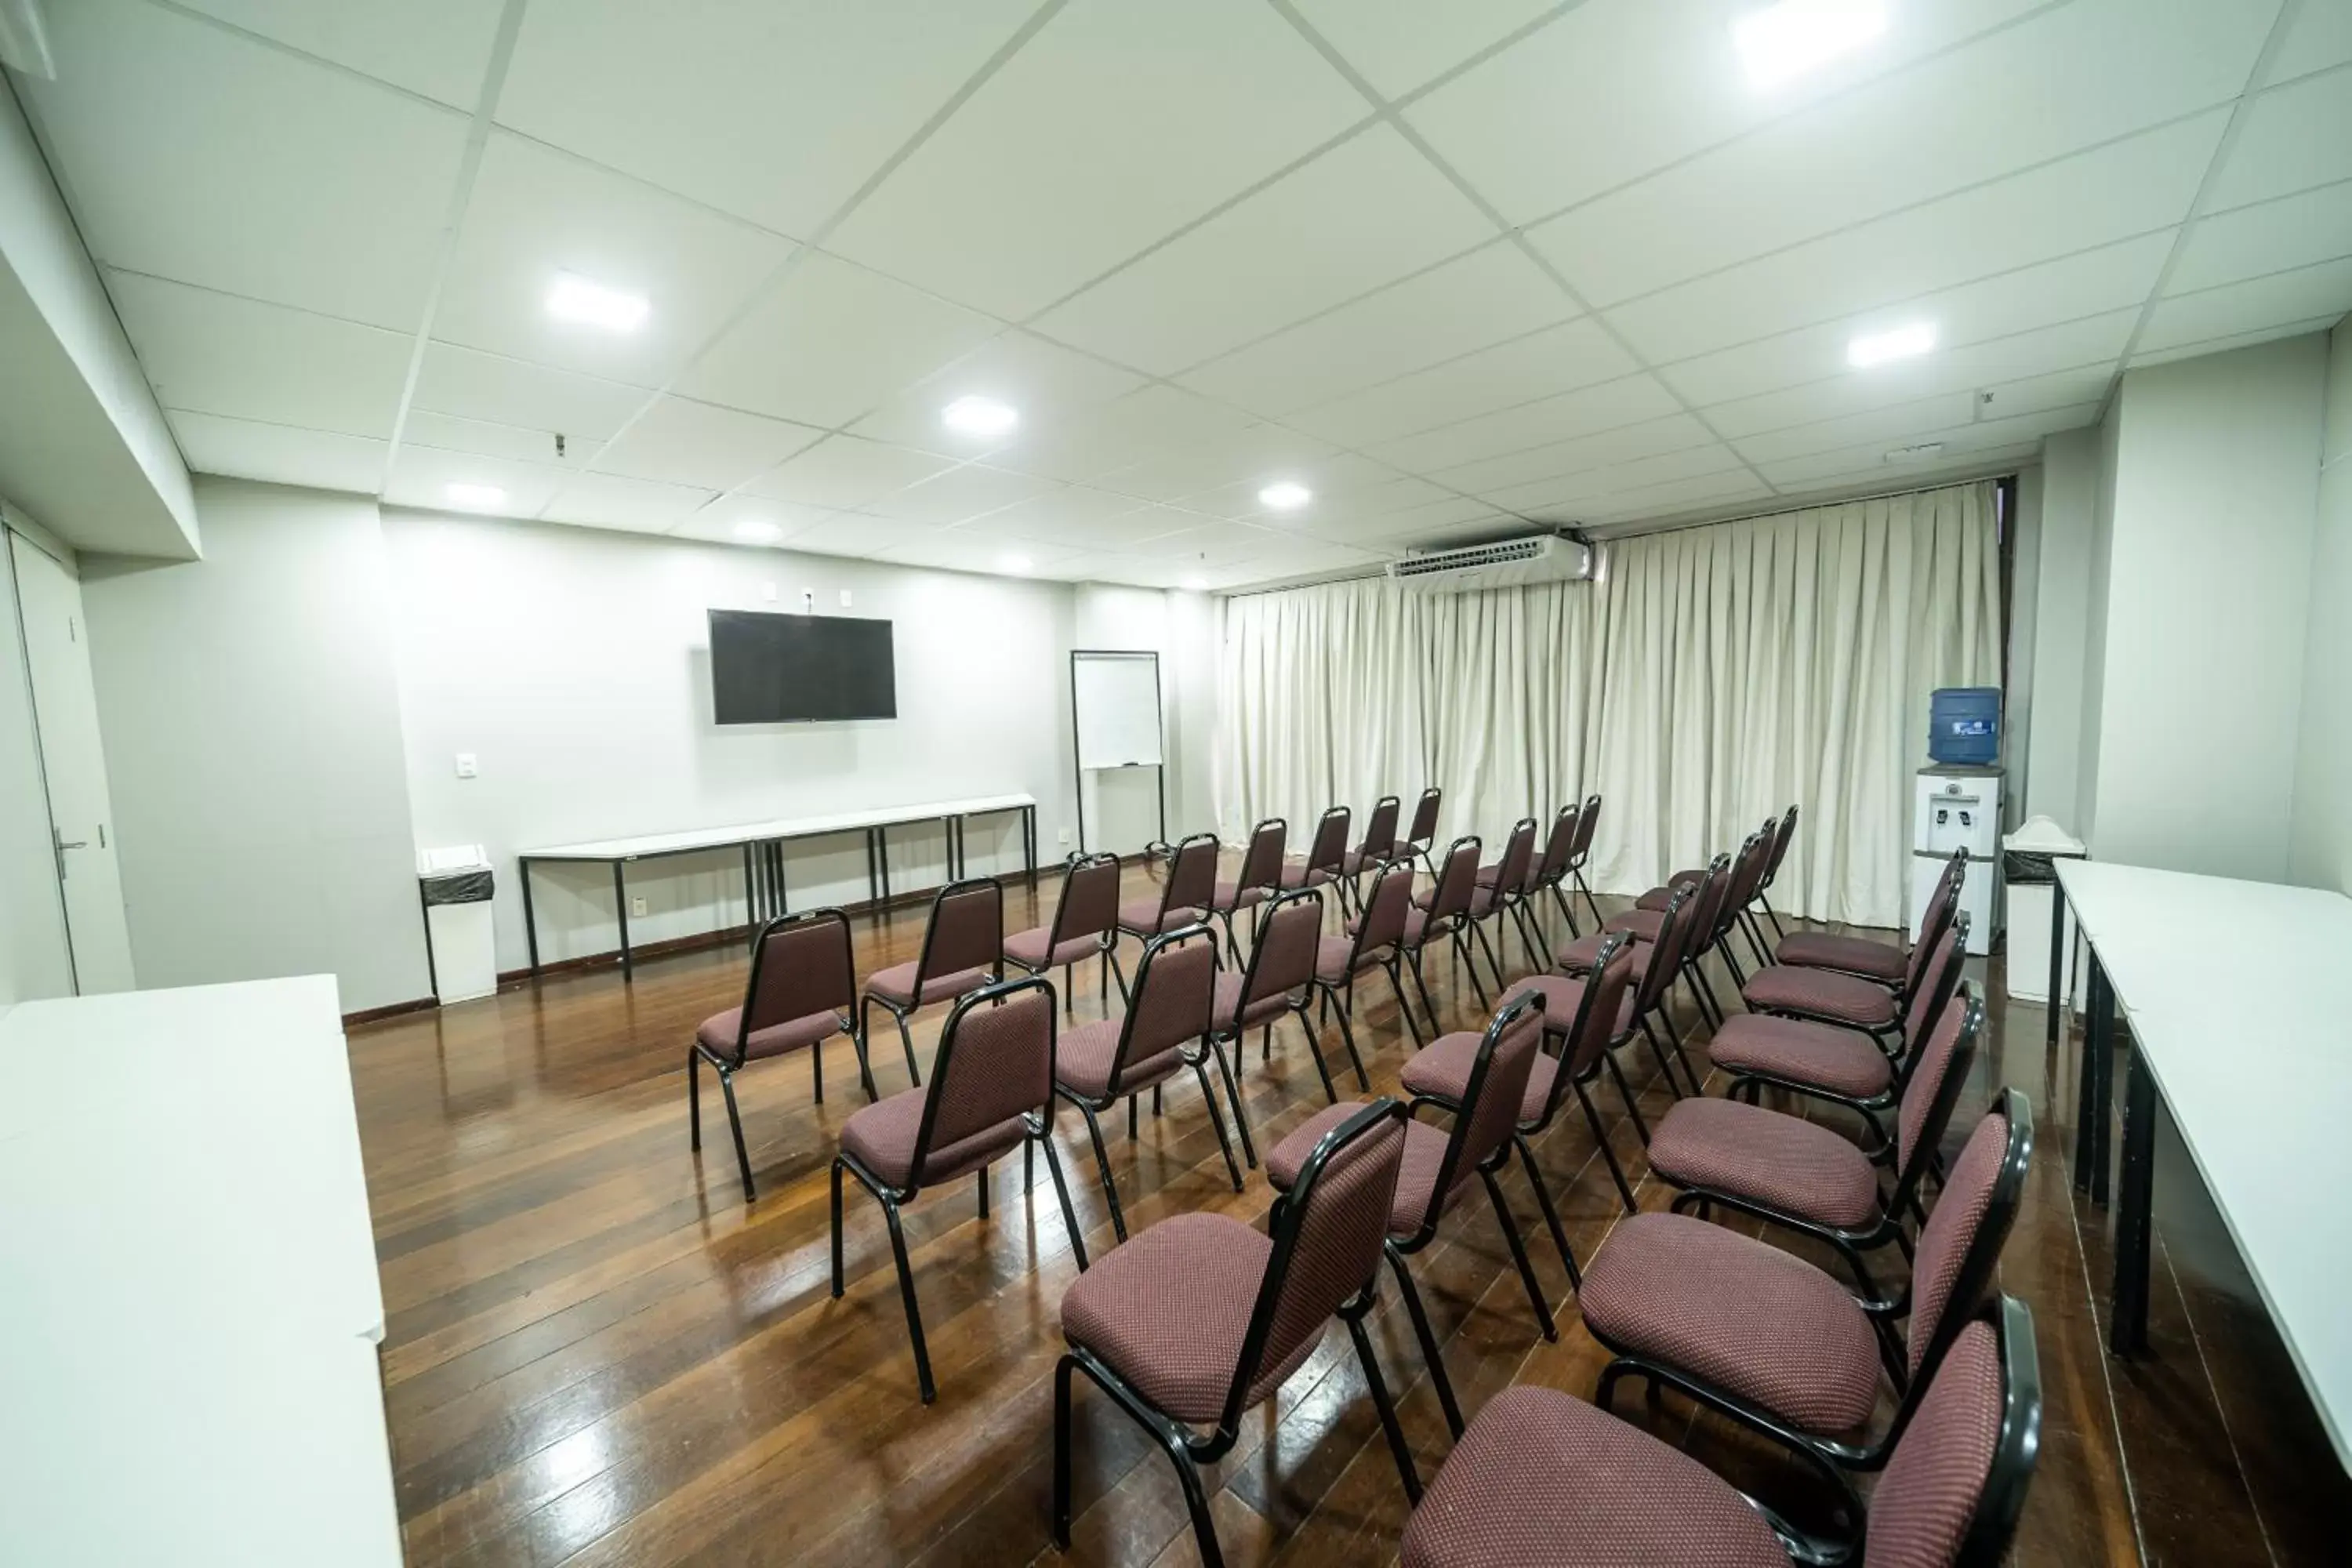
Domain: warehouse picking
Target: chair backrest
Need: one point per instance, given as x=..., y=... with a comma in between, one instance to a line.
x=1941, y=905
x=1517, y=864
x=1961, y=1244
x=966, y=930
x=1458, y=878
x=1425, y=816
x=1386, y=907
x=1781, y=835
x=1747, y=875
x=1169, y=1004
x=1588, y=822
x=1934, y=1090
x=1939, y=982
x=1705, y=911
x=1191, y=874
x=995, y=1062
x=1328, y=851
x=1491, y=1101
x=1089, y=901
x=1954, y=1487
x=1262, y=861
x=800, y=965
x=1594, y=1023
x=1328, y=1239
x=1665, y=953
x=1288, y=932
x=1380, y=833
x=1560, y=844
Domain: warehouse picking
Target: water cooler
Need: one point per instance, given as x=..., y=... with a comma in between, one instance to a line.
x=1956, y=806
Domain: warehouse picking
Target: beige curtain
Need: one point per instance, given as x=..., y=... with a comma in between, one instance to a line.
x=1710, y=677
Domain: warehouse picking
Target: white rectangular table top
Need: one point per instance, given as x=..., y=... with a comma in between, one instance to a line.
x=2226, y=986
x=188, y=1291
x=785, y=828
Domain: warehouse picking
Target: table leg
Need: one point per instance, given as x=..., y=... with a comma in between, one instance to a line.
x=873, y=886
x=751, y=894
x=882, y=858
x=2102, y=1052
x=1029, y=841
x=2127, y=1328
x=529, y=924
x=780, y=892
x=2057, y=965
x=955, y=873
x=621, y=908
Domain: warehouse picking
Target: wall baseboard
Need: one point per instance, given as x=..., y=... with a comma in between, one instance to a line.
x=370, y=1014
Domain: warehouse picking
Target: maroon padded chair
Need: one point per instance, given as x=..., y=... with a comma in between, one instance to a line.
x=1765, y=1338
x=1279, y=979
x=1163, y=1031
x=1375, y=941
x=964, y=950
x=1543, y=1478
x=1881, y=962
x=991, y=1090
x=1438, y=1167
x=1588, y=823
x=1781, y=839
x=1653, y=965
x=1502, y=891
x=1551, y=867
x=1444, y=911
x=800, y=994
x=1809, y=1178
x=1327, y=853
x=1848, y=1001
x=1746, y=869
x=1761, y=1051
x=1421, y=837
x=1379, y=847
x=1200, y=1319
x=1777, y=832
x=1085, y=925
x=1184, y=896
x=1259, y=878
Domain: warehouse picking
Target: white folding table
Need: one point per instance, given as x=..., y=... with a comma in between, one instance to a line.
x=2224, y=983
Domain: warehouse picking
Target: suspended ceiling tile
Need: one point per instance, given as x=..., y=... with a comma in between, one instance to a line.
x=1558, y=359
x=1153, y=421
x=2270, y=237
x=1628, y=400
x=1048, y=386
x=957, y=494
x=282, y=454
x=609, y=500
x=487, y=440
x=440, y=48
x=2318, y=38
x=217, y=353
x=1398, y=45
x=688, y=443
x=2307, y=292
x=845, y=471
x=2267, y=334
x=1958, y=440
x=498, y=389
x=1079, y=517
x=857, y=534
x=1676, y=432
x=2295, y=136
x=420, y=476
x=1561, y=496
x=752, y=520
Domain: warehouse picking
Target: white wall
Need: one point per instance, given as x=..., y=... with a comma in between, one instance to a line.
x=2320, y=851
x=574, y=665
x=2198, y=619
x=2018, y=695
x=1123, y=807
x=34, y=959
x=253, y=744
x=2060, y=609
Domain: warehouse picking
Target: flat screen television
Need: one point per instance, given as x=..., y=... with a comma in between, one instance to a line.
x=787, y=669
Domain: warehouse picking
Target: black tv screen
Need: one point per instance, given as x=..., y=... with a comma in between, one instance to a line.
x=782, y=669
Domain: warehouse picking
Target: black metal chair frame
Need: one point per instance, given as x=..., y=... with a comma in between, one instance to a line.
x=1368, y=858
x=1167, y=892
x=1054, y=939
x=1455, y=924
x=1507, y=896
x=866, y=999
x=1399, y=1248
x=1655, y=992
x=1039, y=1133
x=1930, y=935
x=727, y=1067
x=1851, y=1243
x=1189, y=1450
x=1830, y=1455
x=1781, y=839
x=1551, y=867
x=1197, y=1059
x=1225, y=1030
x=1588, y=817
x=1563, y=1080
x=1328, y=851
x=1339, y=998
x=1422, y=837
x=1268, y=880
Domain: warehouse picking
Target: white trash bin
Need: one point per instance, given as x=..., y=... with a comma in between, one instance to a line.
x=2026, y=855
x=461, y=949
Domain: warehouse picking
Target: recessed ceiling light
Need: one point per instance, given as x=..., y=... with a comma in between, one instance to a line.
x=574, y=298
x=1196, y=584
x=1901, y=342
x=1286, y=495
x=980, y=417
x=1792, y=38
x=756, y=532
x=1914, y=453
x=480, y=497
x=1015, y=562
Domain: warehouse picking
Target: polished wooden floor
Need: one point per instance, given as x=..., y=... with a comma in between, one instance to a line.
x=597, y=1354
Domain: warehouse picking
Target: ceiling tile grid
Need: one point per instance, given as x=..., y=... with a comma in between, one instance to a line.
x=1193, y=250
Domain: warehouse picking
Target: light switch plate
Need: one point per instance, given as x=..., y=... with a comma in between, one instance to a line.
x=636, y=908
x=466, y=766
x=845, y=598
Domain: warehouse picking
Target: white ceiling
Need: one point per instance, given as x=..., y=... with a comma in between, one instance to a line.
x=1451, y=265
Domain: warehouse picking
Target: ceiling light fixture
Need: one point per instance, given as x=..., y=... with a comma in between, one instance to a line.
x=574, y=298
x=1792, y=38
x=477, y=498
x=1015, y=562
x=1914, y=453
x=1901, y=342
x=980, y=417
x=755, y=530
x=1286, y=495
x=1196, y=584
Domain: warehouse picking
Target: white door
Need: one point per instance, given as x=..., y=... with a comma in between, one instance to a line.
x=81, y=819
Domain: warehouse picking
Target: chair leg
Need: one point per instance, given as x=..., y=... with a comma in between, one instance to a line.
x=864, y=1064
x=1768, y=909
x=694, y=1098
x=1601, y=1139
x=735, y=1123
x=1322, y=1068
x=1217, y=1121
x=1234, y=1098
x=1348, y=1038
x=1530, y=933
x=836, y=1230
x=1690, y=1074
x=1520, y=1257
x=1102, y=1165
x=1550, y=1212
x=1196, y=1504
x=1062, y=1370
x=1478, y=934
x=816, y=1071
x=1395, y=968
x=906, y=1293
x=1626, y=1093
x=982, y=1181
x=1044, y=1137
x=1467, y=962
x=1070, y=990
x=1666, y=1067
x=1567, y=912
x=1130, y=1119
x=1429, y=1348
x=1381, y=1402
x=1421, y=987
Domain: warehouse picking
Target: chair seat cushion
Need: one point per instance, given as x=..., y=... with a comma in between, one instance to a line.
x=1332, y=953
x=1821, y=994
x=1142, y=918
x=1027, y=948
x=1228, y=998
x=896, y=984
x=1425, y=1151
x=1786, y=1163
x=1441, y=1071
x=1846, y=954
x=1578, y=957
x=1541, y=1477
x=1083, y=1056
x=1416, y=922
x=1168, y=1312
x=881, y=1137
x=1356, y=861
x=1659, y=897
x=1837, y=1061
x=717, y=1034
x=1300, y=874
x=1643, y=923
x=1562, y=997
x=1229, y=898
x=1762, y=1324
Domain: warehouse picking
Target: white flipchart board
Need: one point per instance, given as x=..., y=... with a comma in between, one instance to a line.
x=1115, y=709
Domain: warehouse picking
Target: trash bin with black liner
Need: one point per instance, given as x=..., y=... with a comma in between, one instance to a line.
x=455, y=887
x=2027, y=868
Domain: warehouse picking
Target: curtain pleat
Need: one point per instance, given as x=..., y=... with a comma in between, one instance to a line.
x=1707, y=679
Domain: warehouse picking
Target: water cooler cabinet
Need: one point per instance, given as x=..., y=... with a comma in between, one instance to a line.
x=1956, y=807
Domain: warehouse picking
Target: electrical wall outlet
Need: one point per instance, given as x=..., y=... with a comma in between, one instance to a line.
x=1064, y=839
x=466, y=766
x=845, y=598
x=636, y=908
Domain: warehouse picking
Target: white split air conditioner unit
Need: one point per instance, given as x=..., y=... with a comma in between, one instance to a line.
x=1506, y=563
